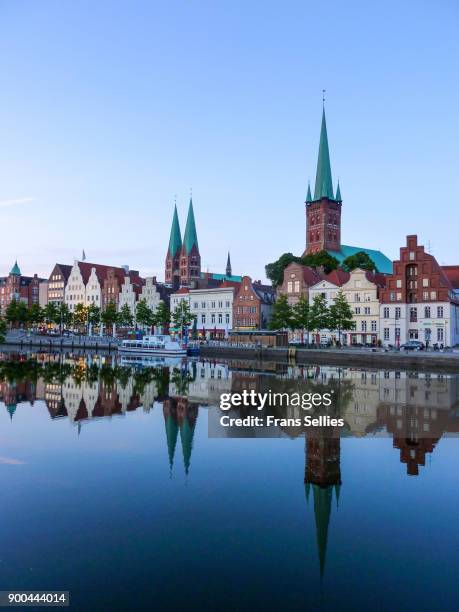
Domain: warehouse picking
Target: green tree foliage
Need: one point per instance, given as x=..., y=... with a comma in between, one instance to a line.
x=35, y=315
x=17, y=313
x=80, y=315
x=162, y=315
x=282, y=315
x=125, y=317
x=2, y=330
x=110, y=315
x=182, y=317
x=93, y=314
x=359, y=260
x=340, y=315
x=275, y=270
x=302, y=316
x=51, y=313
x=144, y=314
x=319, y=313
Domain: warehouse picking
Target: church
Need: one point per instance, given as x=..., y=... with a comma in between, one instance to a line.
x=324, y=210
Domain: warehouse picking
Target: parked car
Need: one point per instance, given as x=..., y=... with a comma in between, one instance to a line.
x=413, y=345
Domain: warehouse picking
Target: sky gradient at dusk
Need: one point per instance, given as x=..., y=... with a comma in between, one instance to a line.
x=109, y=109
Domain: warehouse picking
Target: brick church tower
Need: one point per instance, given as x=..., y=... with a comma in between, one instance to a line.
x=323, y=212
x=172, y=275
x=190, y=259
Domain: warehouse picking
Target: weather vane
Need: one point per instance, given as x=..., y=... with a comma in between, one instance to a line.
x=323, y=96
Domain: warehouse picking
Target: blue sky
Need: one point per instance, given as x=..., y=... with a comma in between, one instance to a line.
x=108, y=109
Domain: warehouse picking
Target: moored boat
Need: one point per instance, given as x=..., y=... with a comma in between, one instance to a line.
x=153, y=345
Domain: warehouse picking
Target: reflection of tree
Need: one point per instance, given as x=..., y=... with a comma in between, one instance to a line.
x=181, y=379
x=142, y=378
x=19, y=371
x=161, y=376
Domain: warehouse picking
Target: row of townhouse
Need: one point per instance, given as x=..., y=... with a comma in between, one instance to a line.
x=418, y=301
x=88, y=283
x=20, y=288
x=244, y=305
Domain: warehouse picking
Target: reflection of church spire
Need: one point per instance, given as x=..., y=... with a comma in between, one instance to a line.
x=322, y=475
x=171, y=435
x=186, y=437
x=11, y=410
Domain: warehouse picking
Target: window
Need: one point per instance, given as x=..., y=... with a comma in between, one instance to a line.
x=440, y=334
x=220, y=317
x=413, y=314
x=367, y=310
x=212, y=305
x=399, y=297
x=386, y=312
x=412, y=255
x=386, y=333
x=425, y=282
x=373, y=326
x=440, y=312
x=297, y=286
x=203, y=318
x=433, y=295
x=195, y=306
x=212, y=318
x=398, y=312
x=427, y=312
x=397, y=333
x=203, y=304
x=289, y=287
x=399, y=283
x=227, y=304
x=357, y=297
x=392, y=296
x=227, y=318
x=363, y=326
x=357, y=310
x=220, y=304
x=425, y=296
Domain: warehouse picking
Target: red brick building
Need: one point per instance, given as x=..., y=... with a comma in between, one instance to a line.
x=17, y=287
x=297, y=280
x=419, y=302
x=252, y=305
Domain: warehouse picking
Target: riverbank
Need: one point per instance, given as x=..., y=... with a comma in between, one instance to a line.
x=361, y=358
x=23, y=341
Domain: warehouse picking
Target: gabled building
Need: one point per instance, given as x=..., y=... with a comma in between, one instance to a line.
x=324, y=213
x=297, y=281
x=57, y=282
x=419, y=301
x=17, y=287
x=252, y=305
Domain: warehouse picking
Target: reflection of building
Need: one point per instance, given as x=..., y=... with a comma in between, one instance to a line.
x=180, y=415
x=323, y=476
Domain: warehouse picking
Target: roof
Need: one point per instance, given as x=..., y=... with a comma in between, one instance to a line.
x=15, y=270
x=324, y=185
x=65, y=270
x=190, y=238
x=221, y=277
x=182, y=290
x=175, y=239
x=338, y=277
x=452, y=274
x=382, y=262
x=102, y=272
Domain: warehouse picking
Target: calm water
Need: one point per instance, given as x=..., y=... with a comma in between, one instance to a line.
x=112, y=490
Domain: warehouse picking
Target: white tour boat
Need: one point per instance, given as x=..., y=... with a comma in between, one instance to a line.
x=153, y=345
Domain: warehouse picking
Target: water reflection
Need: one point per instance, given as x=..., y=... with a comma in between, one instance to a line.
x=415, y=409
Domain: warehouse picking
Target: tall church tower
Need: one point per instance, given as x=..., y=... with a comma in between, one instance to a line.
x=190, y=259
x=323, y=211
x=172, y=275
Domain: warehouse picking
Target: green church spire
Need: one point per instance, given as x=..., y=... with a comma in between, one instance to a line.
x=322, y=509
x=190, y=238
x=186, y=437
x=308, y=195
x=171, y=435
x=15, y=270
x=175, y=240
x=338, y=197
x=324, y=185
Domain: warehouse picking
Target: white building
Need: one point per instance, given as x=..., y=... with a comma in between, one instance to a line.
x=213, y=309
x=329, y=288
x=362, y=294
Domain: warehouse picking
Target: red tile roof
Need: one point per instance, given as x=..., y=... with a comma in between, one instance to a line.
x=337, y=277
x=452, y=274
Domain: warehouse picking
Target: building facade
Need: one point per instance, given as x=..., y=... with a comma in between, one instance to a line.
x=297, y=281
x=57, y=282
x=362, y=293
x=252, y=305
x=418, y=302
x=17, y=287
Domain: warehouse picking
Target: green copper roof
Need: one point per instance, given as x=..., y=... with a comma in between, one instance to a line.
x=383, y=263
x=15, y=270
x=175, y=240
x=171, y=435
x=324, y=185
x=308, y=195
x=186, y=436
x=322, y=509
x=338, y=197
x=190, y=238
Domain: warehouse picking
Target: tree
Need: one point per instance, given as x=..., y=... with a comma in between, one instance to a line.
x=125, y=318
x=110, y=315
x=162, y=315
x=2, y=330
x=93, y=315
x=144, y=314
x=80, y=315
x=359, y=260
x=35, y=314
x=182, y=317
x=282, y=315
x=322, y=259
x=63, y=316
x=340, y=315
x=319, y=313
x=11, y=313
x=51, y=312
x=302, y=316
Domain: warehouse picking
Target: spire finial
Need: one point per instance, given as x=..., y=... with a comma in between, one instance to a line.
x=323, y=97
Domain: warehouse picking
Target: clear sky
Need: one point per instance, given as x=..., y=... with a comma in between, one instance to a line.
x=109, y=108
